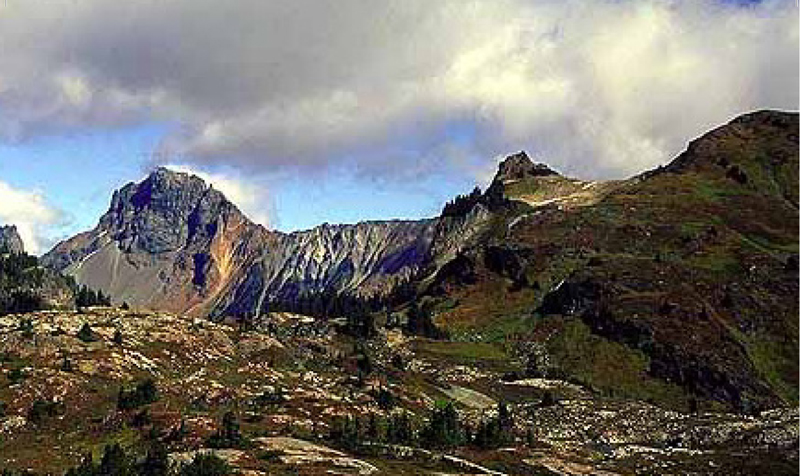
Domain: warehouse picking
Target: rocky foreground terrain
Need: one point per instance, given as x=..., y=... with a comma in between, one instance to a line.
x=290, y=379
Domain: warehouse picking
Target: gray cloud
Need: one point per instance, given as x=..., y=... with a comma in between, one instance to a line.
x=599, y=89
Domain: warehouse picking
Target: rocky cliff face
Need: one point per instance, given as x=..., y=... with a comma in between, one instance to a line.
x=365, y=259
x=173, y=242
x=169, y=242
x=519, y=167
x=10, y=241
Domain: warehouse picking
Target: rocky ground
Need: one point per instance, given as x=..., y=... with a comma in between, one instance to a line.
x=291, y=376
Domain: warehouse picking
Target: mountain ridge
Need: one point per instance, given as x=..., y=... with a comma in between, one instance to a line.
x=680, y=281
x=172, y=227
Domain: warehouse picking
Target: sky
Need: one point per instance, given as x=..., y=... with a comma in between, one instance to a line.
x=304, y=112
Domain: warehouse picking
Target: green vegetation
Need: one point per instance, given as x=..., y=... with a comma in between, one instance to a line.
x=607, y=366
x=42, y=409
x=497, y=431
x=351, y=432
x=19, y=269
x=419, y=322
x=66, y=364
x=462, y=204
x=462, y=351
x=206, y=464
x=274, y=396
x=228, y=435
x=778, y=365
x=144, y=393
x=86, y=297
x=443, y=429
x=677, y=288
x=86, y=334
x=24, y=284
x=26, y=328
x=116, y=461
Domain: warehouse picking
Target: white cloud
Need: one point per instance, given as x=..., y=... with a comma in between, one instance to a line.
x=252, y=198
x=599, y=88
x=30, y=212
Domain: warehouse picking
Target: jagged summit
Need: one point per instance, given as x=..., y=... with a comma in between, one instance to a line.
x=167, y=211
x=519, y=166
x=10, y=241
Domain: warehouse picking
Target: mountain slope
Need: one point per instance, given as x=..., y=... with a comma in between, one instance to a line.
x=677, y=285
x=369, y=258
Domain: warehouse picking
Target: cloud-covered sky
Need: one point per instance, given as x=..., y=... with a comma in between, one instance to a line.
x=397, y=90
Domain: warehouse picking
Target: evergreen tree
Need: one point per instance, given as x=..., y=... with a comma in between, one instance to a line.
x=385, y=399
x=399, y=430
x=115, y=462
x=86, y=334
x=156, y=463
x=462, y=204
x=144, y=393
x=497, y=431
x=42, y=409
x=206, y=464
x=363, y=362
x=26, y=327
x=85, y=468
x=86, y=297
x=548, y=399
x=420, y=323
x=346, y=432
x=443, y=429
x=66, y=364
x=228, y=436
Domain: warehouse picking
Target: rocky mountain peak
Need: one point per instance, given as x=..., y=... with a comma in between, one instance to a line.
x=519, y=166
x=10, y=241
x=161, y=189
x=164, y=211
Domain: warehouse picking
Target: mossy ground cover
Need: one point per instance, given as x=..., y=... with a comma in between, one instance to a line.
x=612, y=369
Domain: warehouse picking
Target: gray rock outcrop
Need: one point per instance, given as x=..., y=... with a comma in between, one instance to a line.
x=10, y=241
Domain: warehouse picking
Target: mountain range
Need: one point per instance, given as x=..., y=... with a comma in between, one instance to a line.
x=674, y=285
x=546, y=325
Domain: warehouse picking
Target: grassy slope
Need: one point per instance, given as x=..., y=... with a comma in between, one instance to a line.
x=695, y=294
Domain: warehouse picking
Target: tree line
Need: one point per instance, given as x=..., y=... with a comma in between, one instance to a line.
x=442, y=429
x=462, y=204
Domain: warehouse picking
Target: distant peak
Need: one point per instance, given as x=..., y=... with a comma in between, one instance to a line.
x=519, y=166
x=10, y=241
